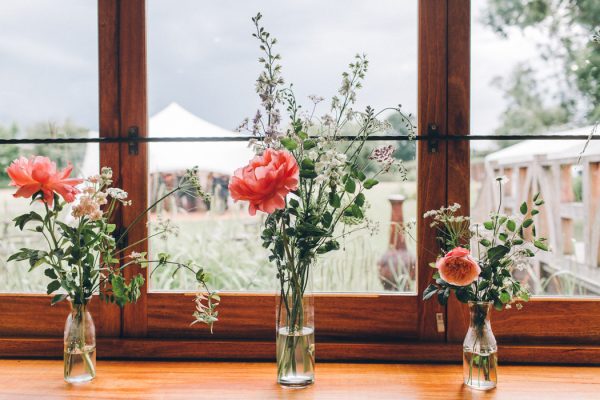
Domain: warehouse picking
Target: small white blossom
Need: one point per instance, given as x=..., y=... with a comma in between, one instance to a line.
x=117, y=194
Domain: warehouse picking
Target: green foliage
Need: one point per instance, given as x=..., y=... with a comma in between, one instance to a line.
x=503, y=241
x=333, y=174
x=566, y=30
x=89, y=254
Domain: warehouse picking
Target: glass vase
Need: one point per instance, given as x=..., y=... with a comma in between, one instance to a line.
x=295, y=336
x=79, y=345
x=480, y=352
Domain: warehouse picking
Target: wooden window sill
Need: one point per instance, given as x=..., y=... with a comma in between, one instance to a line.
x=212, y=380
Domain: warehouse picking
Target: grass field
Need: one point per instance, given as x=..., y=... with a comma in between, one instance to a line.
x=229, y=247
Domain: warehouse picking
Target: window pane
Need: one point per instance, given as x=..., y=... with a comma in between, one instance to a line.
x=535, y=71
x=48, y=88
x=569, y=219
x=206, y=88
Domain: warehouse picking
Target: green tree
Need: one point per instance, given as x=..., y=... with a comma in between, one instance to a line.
x=567, y=27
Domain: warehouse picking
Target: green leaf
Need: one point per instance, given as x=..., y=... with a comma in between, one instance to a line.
x=357, y=212
x=504, y=297
x=309, y=144
x=527, y=223
x=360, y=200
x=22, y=220
x=485, y=242
x=53, y=286
x=308, y=174
x=369, y=183
x=294, y=203
x=496, y=253
x=308, y=164
x=326, y=219
x=289, y=143
x=443, y=296
x=540, y=245
x=523, y=208
x=58, y=298
x=50, y=273
x=483, y=284
x=350, y=185
x=328, y=246
x=463, y=294
x=511, y=225
x=535, y=212
x=429, y=292
x=200, y=275
x=334, y=200
x=489, y=225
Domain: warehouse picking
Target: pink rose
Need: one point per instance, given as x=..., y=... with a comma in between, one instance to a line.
x=265, y=181
x=458, y=268
x=40, y=174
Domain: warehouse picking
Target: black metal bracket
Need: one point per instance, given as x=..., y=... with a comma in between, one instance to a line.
x=133, y=133
x=433, y=135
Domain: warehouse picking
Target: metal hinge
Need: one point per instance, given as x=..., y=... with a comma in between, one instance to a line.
x=133, y=133
x=432, y=134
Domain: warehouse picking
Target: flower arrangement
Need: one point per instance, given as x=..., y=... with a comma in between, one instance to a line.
x=504, y=243
x=311, y=182
x=86, y=253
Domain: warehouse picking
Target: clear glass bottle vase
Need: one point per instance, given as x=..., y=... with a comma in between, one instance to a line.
x=480, y=351
x=295, y=336
x=79, y=345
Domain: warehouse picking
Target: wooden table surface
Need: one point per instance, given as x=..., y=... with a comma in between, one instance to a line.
x=42, y=379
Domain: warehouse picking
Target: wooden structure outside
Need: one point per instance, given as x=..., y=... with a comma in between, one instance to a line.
x=570, y=218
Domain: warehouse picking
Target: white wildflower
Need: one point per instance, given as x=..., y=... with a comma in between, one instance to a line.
x=117, y=194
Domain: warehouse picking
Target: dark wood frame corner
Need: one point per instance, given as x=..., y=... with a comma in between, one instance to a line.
x=394, y=327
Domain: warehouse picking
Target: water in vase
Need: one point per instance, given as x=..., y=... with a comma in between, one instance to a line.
x=480, y=369
x=295, y=357
x=80, y=364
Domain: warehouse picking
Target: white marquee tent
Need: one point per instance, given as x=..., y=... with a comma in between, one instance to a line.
x=175, y=121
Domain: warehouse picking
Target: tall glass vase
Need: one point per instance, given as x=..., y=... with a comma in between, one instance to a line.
x=480, y=360
x=295, y=338
x=79, y=345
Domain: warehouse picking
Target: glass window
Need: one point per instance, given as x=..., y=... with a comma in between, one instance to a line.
x=204, y=86
x=48, y=89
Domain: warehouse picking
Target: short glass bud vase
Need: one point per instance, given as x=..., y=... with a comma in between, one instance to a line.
x=480, y=351
x=79, y=345
x=295, y=339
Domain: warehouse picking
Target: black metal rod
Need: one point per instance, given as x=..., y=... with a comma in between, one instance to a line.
x=450, y=138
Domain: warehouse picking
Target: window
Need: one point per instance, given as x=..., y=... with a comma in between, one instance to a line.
x=190, y=49
x=527, y=82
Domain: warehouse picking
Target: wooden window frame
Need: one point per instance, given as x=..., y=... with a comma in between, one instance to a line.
x=384, y=327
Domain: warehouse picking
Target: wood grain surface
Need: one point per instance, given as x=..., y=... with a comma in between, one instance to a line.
x=36, y=379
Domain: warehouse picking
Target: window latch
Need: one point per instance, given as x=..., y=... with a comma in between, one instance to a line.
x=433, y=133
x=439, y=319
x=133, y=133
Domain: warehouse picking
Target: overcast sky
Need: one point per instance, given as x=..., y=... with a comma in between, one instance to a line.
x=201, y=55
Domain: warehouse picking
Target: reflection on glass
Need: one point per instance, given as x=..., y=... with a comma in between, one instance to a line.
x=570, y=217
